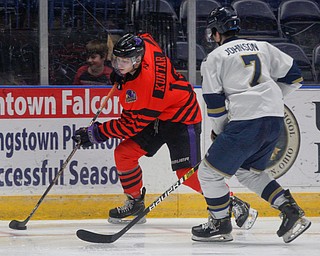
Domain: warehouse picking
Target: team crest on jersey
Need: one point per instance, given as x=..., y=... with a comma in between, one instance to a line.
x=287, y=148
x=131, y=96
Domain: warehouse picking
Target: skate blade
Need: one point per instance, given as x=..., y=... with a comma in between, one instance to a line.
x=299, y=227
x=125, y=220
x=218, y=238
x=252, y=217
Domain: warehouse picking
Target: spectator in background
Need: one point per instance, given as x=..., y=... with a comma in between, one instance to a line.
x=95, y=72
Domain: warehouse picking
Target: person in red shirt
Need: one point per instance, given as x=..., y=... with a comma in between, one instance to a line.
x=159, y=107
x=95, y=72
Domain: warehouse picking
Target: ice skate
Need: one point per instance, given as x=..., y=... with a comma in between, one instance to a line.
x=215, y=230
x=293, y=221
x=244, y=215
x=131, y=208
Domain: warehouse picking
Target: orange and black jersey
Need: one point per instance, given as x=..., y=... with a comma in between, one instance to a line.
x=156, y=90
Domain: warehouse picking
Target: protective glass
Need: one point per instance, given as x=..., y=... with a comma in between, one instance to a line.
x=89, y=54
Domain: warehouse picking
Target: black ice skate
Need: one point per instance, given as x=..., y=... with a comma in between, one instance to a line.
x=293, y=223
x=244, y=215
x=215, y=230
x=131, y=208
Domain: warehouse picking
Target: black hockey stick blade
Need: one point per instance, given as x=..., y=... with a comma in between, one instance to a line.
x=92, y=237
x=19, y=225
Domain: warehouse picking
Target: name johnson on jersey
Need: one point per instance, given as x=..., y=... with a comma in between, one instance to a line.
x=242, y=47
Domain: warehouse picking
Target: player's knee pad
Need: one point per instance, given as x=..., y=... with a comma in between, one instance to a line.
x=191, y=182
x=127, y=154
x=256, y=182
x=212, y=182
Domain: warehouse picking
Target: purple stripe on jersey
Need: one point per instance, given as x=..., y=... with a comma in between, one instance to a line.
x=193, y=145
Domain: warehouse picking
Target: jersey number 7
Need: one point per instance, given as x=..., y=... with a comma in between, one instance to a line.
x=253, y=60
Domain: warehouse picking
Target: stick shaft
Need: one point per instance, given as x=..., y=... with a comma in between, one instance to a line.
x=157, y=201
x=103, y=104
x=100, y=238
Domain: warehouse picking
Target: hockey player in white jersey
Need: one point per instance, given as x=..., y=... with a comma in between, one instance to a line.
x=244, y=83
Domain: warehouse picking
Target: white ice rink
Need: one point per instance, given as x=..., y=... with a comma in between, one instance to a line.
x=157, y=237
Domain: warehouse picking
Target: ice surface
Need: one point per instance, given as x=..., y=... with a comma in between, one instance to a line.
x=157, y=237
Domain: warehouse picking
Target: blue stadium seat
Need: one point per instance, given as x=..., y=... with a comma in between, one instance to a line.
x=257, y=18
x=316, y=61
x=146, y=6
x=304, y=63
x=203, y=8
x=299, y=21
x=274, y=4
x=181, y=59
x=298, y=11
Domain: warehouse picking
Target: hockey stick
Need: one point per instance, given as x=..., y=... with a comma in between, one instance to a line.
x=21, y=225
x=100, y=238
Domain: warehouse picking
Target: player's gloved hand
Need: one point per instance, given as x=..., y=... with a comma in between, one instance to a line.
x=116, y=78
x=213, y=136
x=87, y=136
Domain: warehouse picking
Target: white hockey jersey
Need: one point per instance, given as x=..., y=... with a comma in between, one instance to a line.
x=246, y=73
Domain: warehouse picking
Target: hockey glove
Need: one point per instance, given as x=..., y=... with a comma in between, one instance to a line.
x=87, y=136
x=116, y=78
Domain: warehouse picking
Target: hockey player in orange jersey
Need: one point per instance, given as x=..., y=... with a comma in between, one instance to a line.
x=159, y=107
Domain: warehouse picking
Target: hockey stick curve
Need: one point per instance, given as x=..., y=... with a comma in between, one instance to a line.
x=92, y=237
x=21, y=225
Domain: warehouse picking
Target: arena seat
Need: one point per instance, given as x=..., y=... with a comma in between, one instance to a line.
x=257, y=18
x=203, y=9
x=180, y=61
x=299, y=21
x=316, y=61
x=297, y=53
x=147, y=6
